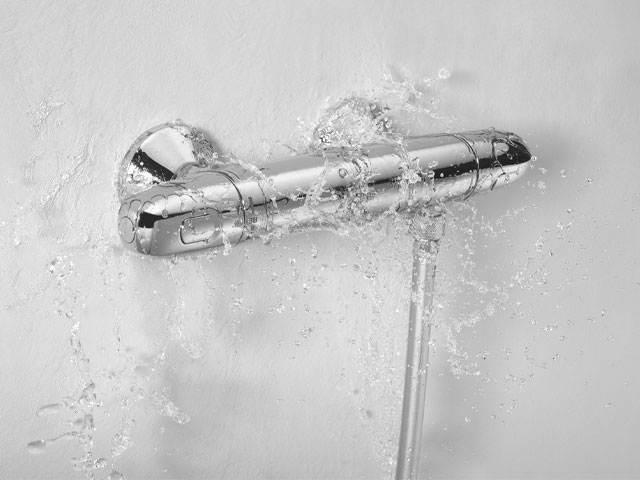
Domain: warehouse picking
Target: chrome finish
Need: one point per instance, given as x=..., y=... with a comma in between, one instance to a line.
x=425, y=250
x=427, y=230
x=209, y=203
x=160, y=154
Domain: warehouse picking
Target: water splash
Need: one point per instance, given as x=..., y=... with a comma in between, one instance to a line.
x=185, y=317
x=167, y=408
x=40, y=113
x=386, y=115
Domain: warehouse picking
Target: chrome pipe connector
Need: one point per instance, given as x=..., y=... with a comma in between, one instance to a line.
x=177, y=196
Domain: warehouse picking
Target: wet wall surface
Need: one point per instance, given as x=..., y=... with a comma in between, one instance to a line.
x=287, y=359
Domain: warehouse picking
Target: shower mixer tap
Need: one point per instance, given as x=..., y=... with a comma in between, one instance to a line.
x=177, y=196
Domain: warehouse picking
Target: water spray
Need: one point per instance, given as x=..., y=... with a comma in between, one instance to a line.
x=178, y=196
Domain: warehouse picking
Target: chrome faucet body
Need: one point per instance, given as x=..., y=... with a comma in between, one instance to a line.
x=176, y=198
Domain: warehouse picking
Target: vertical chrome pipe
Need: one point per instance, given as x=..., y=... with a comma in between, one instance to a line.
x=427, y=233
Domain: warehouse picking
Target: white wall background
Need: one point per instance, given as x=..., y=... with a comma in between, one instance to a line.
x=80, y=80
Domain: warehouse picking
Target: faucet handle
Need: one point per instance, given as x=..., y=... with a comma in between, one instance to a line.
x=161, y=154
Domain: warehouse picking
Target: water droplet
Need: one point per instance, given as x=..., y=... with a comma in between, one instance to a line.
x=77, y=423
x=444, y=74
x=166, y=407
x=37, y=446
x=48, y=410
x=305, y=331
x=62, y=267
x=237, y=301
x=371, y=272
x=88, y=397
x=165, y=213
x=121, y=441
